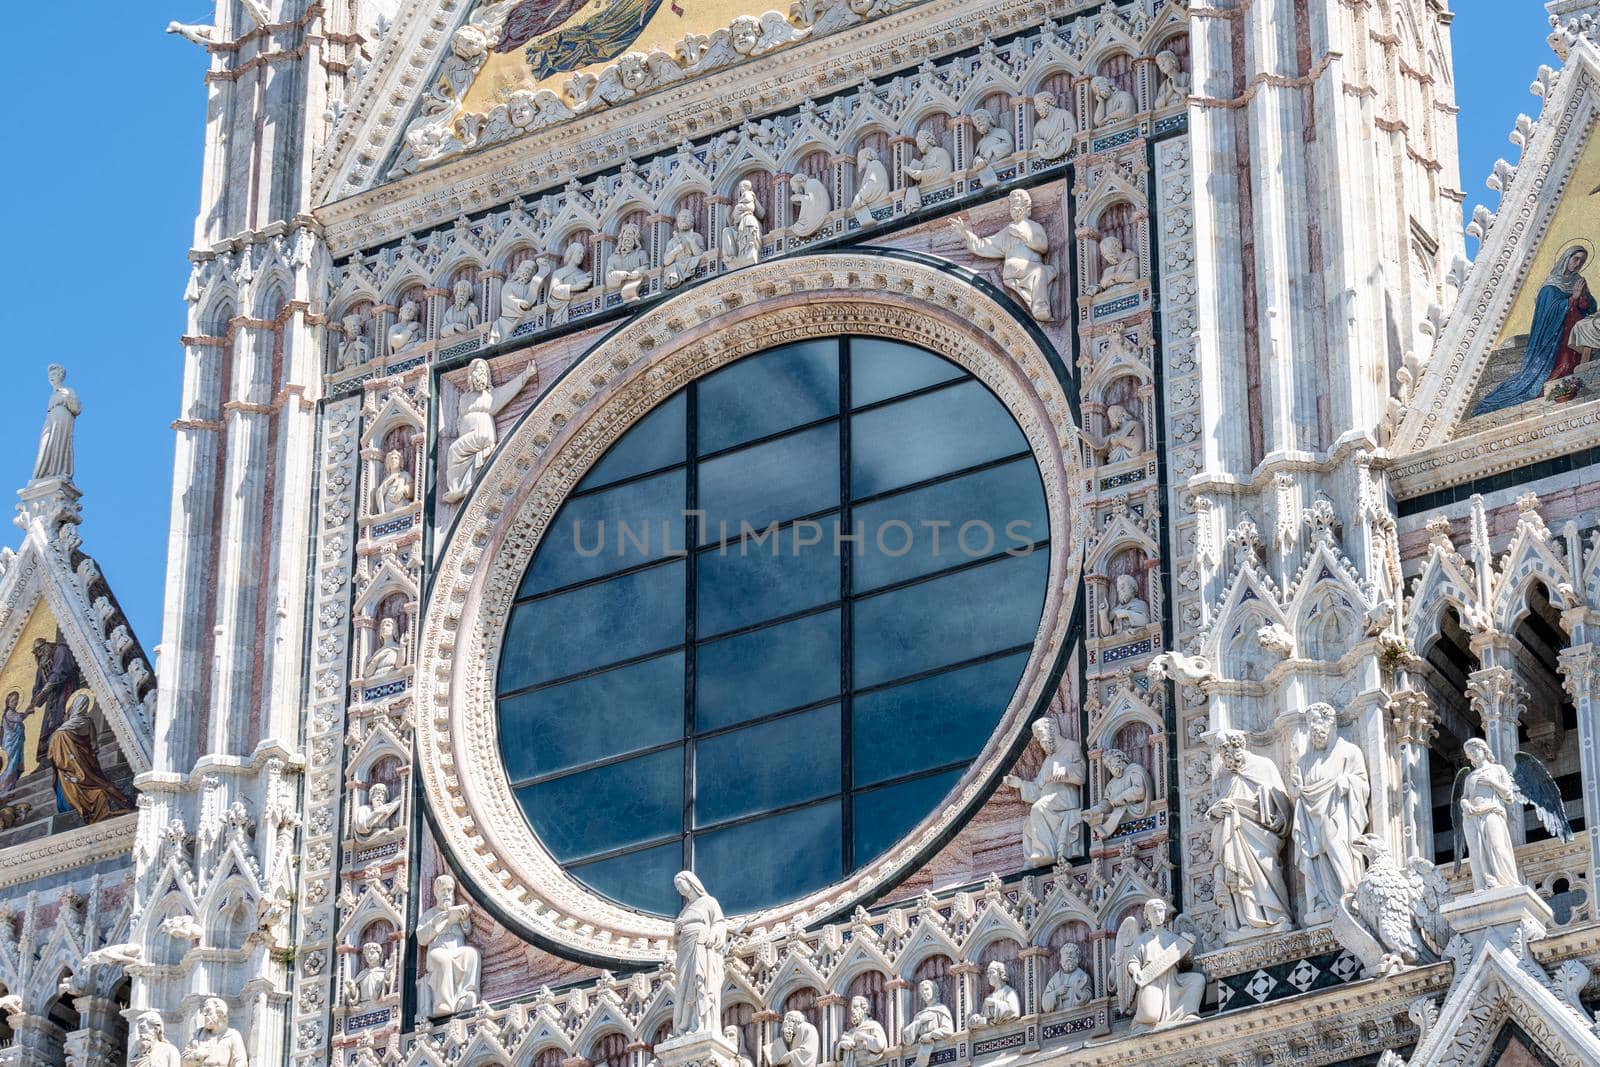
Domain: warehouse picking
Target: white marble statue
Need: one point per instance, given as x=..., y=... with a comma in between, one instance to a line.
x=1054, y=830
x=1329, y=787
x=1126, y=793
x=1486, y=794
x=1053, y=127
x=700, y=945
x=388, y=654
x=931, y=169
x=1175, y=82
x=1069, y=987
x=372, y=980
x=872, y=184
x=354, y=350
x=1130, y=613
x=797, y=1044
x=994, y=141
x=1021, y=246
x=476, y=436
x=462, y=314
x=1001, y=1005
x=627, y=265
x=55, y=440
x=932, y=1022
x=1118, y=265
x=153, y=1050
x=741, y=238
x=450, y=984
x=864, y=1042
x=1251, y=811
x=735, y=1039
x=519, y=297
x=215, y=1043
x=406, y=330
x=570, y=280
x=811, y=205
x=376, y=813
x=1110, y=102
x=1147, y=963
x=394, y=491
x=1124, y=439
x=684, y=253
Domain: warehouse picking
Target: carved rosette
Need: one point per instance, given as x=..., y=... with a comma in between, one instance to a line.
x=568, y=430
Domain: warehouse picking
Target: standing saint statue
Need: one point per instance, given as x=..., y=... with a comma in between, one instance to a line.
x=55, y=440
x=1484, y=796
x=1022, y=247
x=450, y=985
x=476, y=436
x=1329, y=786
x=153, y=1049
x=1054, y=830
x=700, y=941
x=1251, y=811
x=215, y=1043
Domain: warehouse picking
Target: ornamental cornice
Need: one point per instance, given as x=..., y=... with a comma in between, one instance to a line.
x=478, y=819
x=44, y=858
x=1501, y=448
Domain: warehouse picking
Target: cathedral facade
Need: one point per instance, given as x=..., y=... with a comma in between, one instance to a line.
x=603, y=627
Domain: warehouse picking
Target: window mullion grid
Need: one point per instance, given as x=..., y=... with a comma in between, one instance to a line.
x=691, y=541
x=846, y=620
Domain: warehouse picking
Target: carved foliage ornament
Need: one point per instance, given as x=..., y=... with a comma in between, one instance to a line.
x=623, y=379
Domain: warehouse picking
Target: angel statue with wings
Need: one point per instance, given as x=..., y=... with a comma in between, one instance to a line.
x=1482, y=793
x=1150, y=985
x=1390, y=920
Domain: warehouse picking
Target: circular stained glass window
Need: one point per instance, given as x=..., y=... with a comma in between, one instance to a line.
x=774, y=624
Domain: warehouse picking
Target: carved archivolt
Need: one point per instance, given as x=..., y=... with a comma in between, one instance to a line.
x=615, y=384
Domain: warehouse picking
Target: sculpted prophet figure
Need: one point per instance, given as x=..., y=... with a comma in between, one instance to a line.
x=1251, y=811
x=1110, y=101
x=684, y=252
x=80, y=782
x=933, y=1021
x=569, y=280
x=394, y=492
x=376, y=814
x=55, y=440
x=476, y=436
x=388, y=654
x=872, y=184
x=1563, y=328
x=1124, y=437
x=700, y=944
x=1127, y=792
x=1150, y=986
x=154, y=1050
x=1329, y=786
x=462, y=314
x=929, y=170
x=1002, y=1004
x=798, y=1044
x=372, y=981
x=864, y=1043
x=625, y=270
x=811, y=205
x=1021, y=247
x=994, y=141
x=741, y=238
x=519, y=297
x=1129, y=613
x=1053, y=127
x=1069, y=987
x=1485, y=794
x=1175, y=84
x=215, y=1043
x=1054, y=830
x=450, y=985
x=406, y=330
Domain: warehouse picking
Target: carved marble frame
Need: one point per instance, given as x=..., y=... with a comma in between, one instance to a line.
x=622, y=378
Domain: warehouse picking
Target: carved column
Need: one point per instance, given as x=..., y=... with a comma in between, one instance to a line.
x=92, y=1043
x=1415, y=725
x=1580, y=672
x=832, y=1020
x=1032, y=978
x=36, y=1042
x=898, y=999
x=967, y=980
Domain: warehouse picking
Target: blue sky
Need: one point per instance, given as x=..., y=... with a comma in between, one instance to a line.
x=103, y=187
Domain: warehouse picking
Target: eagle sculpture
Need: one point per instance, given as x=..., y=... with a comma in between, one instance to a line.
x=1391, y=919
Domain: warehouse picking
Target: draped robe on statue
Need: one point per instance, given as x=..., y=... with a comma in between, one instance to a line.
x=1249, y=841
x=1330, y=814
x=1161, y=994
x=1564, y=301
x=701, y=941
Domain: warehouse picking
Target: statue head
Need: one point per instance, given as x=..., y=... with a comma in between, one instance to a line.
x=463, y=292
x=1101, y=87
x=352, y=326
x=632, y=71
x=524, y=272
x=573, y=255
x=928, y=991
x=1044, y=103
x=1322, y=721
x=1111, y=248
x=792, y=1022
x=1021, y=205
x=689, y=886
x=1115, y=760
x=150, y=1028
x=982, y=121
x=377, y=793
x=1044, y=731
x=925, y=140
x=1231, y=747
x=744, y=33
x=685, y=222
x=1477, y=751
x=860, y=1007
x=866, y=155
x=1168, y=63
x=628, y=238
x=388, y=629
x=444, y=887
x=731, y=1033
x=1127, y=587
x=1071, y=956
x=372, y=953
x=797, y=183
x=1116, y=416
x=996, y=973
x=478, y=376
x=1155, y=913
x=393, y=461
x=409, y=311
x=213, y=1015
x=56, y=373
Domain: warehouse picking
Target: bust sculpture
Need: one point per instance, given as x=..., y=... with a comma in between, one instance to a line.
x=864, y=1042
x=994, y=141
x=1111, y=103
x=388, y=654
x=1002, y=1004
x=1131, y=611
x=684, y=253
x=1069, y=987
x=1124, y=437
x=153, y=1049
x=1054, y=830
x=376, y=813
x=394, y=492
x=406, y=330
x=354, y=350
x=462, y=314
x=628, y=264
x=55, y=440
x=1126, y=792
x=214, y=1043
x=450, y=984
x=1118, y=265
x=1175, y=81
x=1021, y=248
x=372, y=980
x=932, y=1022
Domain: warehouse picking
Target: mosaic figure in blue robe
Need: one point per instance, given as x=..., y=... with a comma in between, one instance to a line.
x=1561, y=331
x=556, y=47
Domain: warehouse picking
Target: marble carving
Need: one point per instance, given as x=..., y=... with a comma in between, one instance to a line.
x=1175, y=80
x=994, y=142
x=1486, y=793
x=1070, y=986
x=1021, y=247
x=395, y=491
x=372, y=980
x=376, y=813
x=1053, y=831
x=450, y=981
x=811, y=205
x=628, y=264
x=872, y=185
x=1111, y=103
x=1329, y=787
x=519, y=297
x=932, y=1022
x=570, y=280
x=684, y=253
x=931, y=168
x=741, y=238
x=864, y=1042
x=406, y=330
x=153, y=1049
x=55, y=440
x=462, y=314
x=1250, y=810
x=215, y=1043
x=797, y=1043
x=1053, y=127
x=1126, y=793
x=476, y=435
x=388, y=654
x=1120, y=265
x=1147, y=963
x=700, y=944
x=1001, y=1005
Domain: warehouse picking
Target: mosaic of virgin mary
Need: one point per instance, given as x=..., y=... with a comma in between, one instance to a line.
x=570, y=34
x=1565, y=331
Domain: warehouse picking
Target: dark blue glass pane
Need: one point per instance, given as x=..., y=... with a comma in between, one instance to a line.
x=773, y=765
x=622, y=710
x=755, y=674
x=767, y=861
x=610, y=531
x=769, y=393
x=946, y=620
x=748, y=581
x=885, y=815
x=794, y=475
x=594, y=625
x=609, y=807
x=931, y=722
x=949, y=523
x=656, y=441
x=639, y=879
x=926, y=436
x=882, y=369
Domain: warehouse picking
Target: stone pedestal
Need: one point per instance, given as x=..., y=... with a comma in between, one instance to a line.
x=1499, y=913
x=698, y=1049
x=51, y=500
